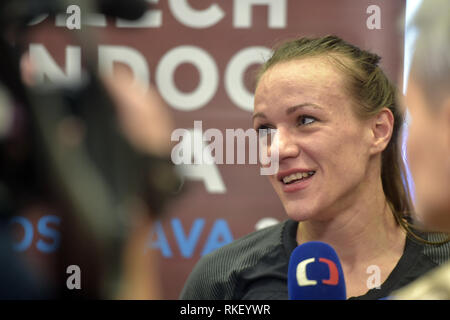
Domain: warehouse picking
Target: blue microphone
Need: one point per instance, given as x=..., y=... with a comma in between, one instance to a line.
x=315, y=273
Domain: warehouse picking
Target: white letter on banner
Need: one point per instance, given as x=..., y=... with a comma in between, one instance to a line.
x=107, y=55
x=277, y=16
x=46, y=66
x=207, y=171
x=209, y=78
x=183, y=12
x=234, y=75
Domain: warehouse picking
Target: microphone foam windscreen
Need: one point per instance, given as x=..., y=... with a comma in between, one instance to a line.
x=315, y=273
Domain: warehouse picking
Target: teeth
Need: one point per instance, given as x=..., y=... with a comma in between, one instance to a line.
x=297, y=176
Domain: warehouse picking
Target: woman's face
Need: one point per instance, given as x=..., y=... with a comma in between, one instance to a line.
x=429, y=157
x=320, y=137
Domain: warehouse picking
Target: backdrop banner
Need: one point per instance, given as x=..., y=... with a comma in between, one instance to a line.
x=202, y=56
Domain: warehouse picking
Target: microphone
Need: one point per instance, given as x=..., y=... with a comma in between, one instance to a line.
x=315, y=273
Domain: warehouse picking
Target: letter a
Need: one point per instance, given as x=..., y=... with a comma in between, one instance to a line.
x=73, y=21
x=74, y=281
x=374, y=20
x=374, y=281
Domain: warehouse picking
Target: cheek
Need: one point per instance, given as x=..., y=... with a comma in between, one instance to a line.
x=273, y=181
x=344, y=155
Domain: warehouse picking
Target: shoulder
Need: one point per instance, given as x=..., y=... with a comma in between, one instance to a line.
x=216, y=275
x=439, y=254
x=419, y=258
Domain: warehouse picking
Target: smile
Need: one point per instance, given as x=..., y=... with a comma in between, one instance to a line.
x=295, y=177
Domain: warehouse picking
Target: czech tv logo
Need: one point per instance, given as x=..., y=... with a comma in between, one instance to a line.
x=317, y=272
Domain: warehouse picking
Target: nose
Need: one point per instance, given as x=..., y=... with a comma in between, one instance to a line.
x=287, y=144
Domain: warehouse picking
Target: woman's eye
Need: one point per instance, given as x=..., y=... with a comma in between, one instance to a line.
x=305, y=120
x=262, y=129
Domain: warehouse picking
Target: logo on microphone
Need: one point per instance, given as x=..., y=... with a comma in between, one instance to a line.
x=303, y=280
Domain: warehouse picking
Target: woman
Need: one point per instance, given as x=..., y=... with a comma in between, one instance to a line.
x=339, y=179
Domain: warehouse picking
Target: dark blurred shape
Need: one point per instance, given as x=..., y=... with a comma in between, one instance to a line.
x=24, y=11
x=68, y=149
x=129, y=10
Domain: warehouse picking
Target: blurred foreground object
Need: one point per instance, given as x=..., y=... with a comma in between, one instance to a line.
x=433, y=286
x=428, y=103
x=96, y=151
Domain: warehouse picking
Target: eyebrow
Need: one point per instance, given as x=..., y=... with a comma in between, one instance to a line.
x=288, y=110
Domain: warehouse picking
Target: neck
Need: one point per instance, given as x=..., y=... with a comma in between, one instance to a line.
x=360, y=231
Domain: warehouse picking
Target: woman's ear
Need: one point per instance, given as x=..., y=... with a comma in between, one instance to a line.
x=382, y=126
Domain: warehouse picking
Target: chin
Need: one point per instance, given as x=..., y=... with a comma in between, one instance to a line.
x=298, y=212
